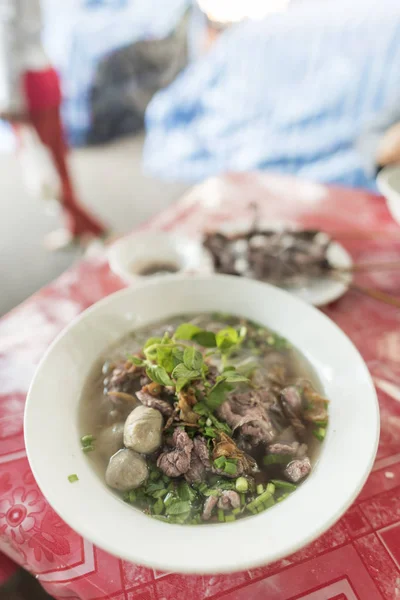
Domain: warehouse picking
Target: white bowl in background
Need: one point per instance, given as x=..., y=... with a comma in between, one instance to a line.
x=388, y=181
x=88, y=506
x=129, y=255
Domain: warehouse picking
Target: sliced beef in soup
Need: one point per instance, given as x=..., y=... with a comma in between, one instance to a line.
x=203, y=419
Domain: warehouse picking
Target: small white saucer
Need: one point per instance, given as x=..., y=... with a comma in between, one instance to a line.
x=132, y=255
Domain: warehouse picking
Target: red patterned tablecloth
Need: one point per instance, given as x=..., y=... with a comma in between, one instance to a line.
x=359, y=558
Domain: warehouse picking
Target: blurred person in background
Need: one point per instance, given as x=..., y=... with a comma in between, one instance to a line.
x=379, y=143
x=30, y=95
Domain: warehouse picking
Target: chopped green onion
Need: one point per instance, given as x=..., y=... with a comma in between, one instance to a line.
x=158, y=507
x=169, y=499
x=319, y=433
x=209, y=432
x=271, y=488
x=87, y=440
x=242, y=485
x=211, y=492
x=221, y=516
x=220, y=462
x=260, y=488
x=88, y=448
x=283, y=497
x=230, y=518
x=284, y=485
x=72, y=478
x=268, y=502
x=242, y=499
x=259, y=501
x=236, y=511
x=230, y=468
x=277, y=459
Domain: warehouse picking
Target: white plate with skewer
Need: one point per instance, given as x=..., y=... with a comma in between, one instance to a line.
x=318, y=291
x=324, y=290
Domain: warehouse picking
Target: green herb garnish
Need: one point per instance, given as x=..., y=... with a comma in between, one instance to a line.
x=284, y=485
x=277, y=459
x=159, y=375
x=319, y=433
x=72, y=478
x=87, y=443
x=242, y=485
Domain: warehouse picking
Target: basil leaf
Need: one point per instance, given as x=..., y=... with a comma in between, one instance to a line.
x=201, y=409
x=135, y=360
x=192, y=358
x=182, y=371
x=165, y=358
x=205, y=338
x=186, y=331
x=180, y=383
x=217, y=395
x=233, y=377
x=178, y=354
x=183, y=376
x=226, y=338
x=159, y=375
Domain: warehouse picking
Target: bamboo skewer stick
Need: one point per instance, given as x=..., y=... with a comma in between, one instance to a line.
x=372, y=293
x=372, y=266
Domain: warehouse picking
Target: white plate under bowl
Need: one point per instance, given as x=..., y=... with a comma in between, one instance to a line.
x=94, y=511
x=388, y=182
x=130, y=254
